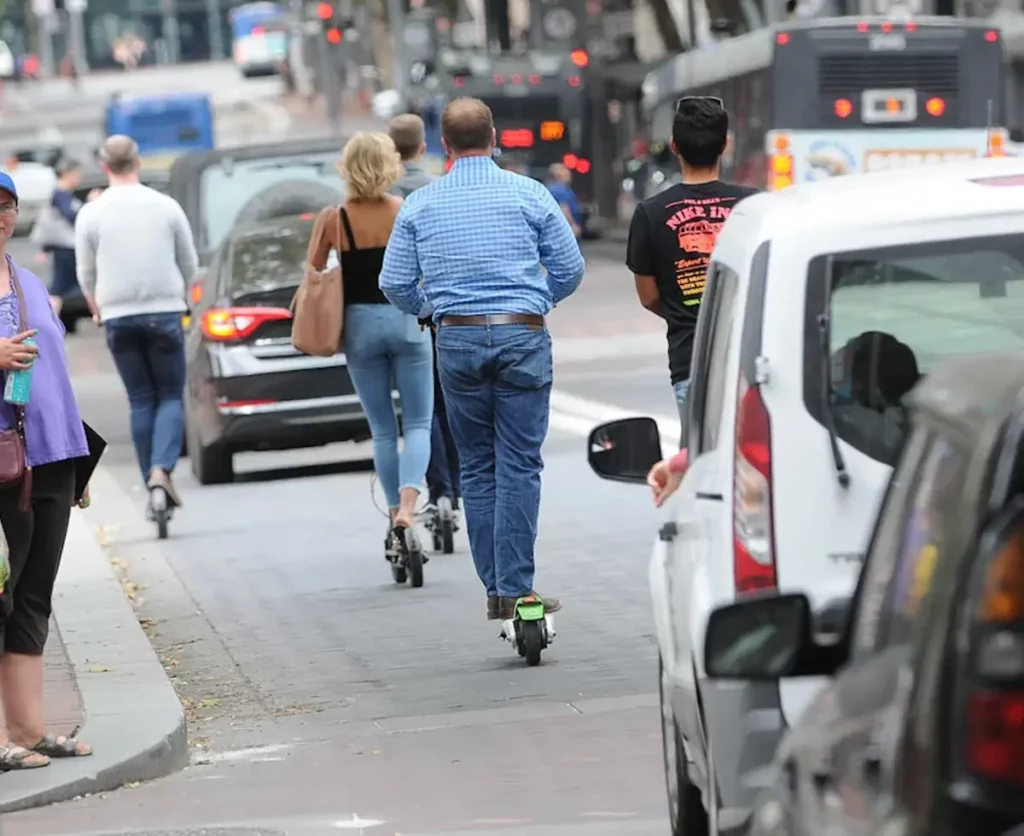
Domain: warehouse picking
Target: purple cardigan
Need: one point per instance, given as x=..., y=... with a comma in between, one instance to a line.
x=53, y=425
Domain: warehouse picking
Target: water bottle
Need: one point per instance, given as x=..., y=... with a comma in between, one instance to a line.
x=19, y=382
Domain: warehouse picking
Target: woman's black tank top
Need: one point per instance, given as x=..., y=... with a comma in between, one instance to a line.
x=360, y=270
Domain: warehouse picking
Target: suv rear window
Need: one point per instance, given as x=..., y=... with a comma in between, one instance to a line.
x=268, y=260
x=894, y=313
x=226, y=189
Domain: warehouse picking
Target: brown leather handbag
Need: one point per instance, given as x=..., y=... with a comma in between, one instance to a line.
x=14, y=469
x=318, y=308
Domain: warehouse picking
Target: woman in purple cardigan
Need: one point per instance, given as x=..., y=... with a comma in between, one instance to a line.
x=54, y=439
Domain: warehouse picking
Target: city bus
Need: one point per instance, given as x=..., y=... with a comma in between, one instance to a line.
x=814, y=99
x=163, y=126
x=542, y=110
x=259, y=36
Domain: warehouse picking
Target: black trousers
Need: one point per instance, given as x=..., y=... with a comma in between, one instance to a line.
x=35, y=541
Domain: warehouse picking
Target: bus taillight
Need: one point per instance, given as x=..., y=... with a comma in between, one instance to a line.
x=582, y=166
x=499, y=78
x=996, y=143
x=574, y=81
x=844, y=107
x=780, y=172
x=991, y=36
x=570, y=161
x=535, y=79
x=782, y=38
x=579, y=57
x=935, y=106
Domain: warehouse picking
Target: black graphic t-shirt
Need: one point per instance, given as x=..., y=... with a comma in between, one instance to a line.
x=671, y=238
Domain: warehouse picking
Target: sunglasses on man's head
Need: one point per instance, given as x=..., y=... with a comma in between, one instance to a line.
x=689, y=99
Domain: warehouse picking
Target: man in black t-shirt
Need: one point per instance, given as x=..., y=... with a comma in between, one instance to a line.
x=673, y=233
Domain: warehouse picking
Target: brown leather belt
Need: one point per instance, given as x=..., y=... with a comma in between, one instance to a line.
x=495, y=319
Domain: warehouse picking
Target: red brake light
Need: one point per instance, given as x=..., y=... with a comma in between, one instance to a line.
x=575, y=81
x=844, y=107
x=782, y=38
x=753, y=529
x=886, y=26
x=910, y=26
x=516, y=138
x=458, y=81
x=935, y=106
x=334, y=36
x=535, y=79
x=499, y=79
x=516, y=79
x=582, y=166
x=195, y=293
x=570, y=161
x=233, y=324
x=991, y=36
x=579, y=57
x=325, y=11
x=995, y=735
x=862, y=26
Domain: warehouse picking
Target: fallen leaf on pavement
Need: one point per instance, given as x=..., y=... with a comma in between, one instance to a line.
x=99, y=669
x=209, y=702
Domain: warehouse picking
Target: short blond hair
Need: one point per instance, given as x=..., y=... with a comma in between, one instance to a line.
x=369, y=165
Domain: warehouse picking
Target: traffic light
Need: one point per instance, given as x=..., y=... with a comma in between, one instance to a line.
x=330, y=22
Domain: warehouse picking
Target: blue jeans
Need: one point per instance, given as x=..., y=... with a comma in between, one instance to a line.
x=681, y=390
x=443, y=470
x=149, y=352
x=497, y=389
x=386, y=350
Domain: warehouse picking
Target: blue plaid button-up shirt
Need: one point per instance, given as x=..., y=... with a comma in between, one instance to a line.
x=478, y=237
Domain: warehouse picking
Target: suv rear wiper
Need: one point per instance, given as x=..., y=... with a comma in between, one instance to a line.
x=824, y=336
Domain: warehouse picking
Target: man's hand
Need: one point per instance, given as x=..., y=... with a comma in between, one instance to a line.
x=663, y=482
x=84, y=501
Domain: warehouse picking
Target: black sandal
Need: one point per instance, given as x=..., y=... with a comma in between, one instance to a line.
x=14, y=758
x=59, y=746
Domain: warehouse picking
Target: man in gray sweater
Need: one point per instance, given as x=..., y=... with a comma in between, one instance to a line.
x=135, y=255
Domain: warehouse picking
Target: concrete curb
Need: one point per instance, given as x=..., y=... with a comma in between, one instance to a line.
x=133, y=717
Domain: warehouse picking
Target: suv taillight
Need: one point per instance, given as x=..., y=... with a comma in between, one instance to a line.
x=994, y=745
x=753, y=534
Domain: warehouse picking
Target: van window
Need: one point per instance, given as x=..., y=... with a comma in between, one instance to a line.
x=894, y=313
x=716, y=387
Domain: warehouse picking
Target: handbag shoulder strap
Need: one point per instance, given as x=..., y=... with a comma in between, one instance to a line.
x=349, y=236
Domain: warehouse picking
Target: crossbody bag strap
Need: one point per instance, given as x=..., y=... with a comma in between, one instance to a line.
x=22, y=326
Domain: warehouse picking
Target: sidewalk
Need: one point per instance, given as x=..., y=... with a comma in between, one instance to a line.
x=63, y=701
x=102, y=676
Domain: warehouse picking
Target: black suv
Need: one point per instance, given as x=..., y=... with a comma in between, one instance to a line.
x=920, y=728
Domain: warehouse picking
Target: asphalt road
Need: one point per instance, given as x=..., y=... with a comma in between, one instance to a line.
x=318, y=691
x=322, y=698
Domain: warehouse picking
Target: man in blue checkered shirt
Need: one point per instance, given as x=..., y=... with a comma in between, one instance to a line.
x=467, y=251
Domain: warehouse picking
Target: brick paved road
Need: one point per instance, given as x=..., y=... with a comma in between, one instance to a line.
x=317, y=689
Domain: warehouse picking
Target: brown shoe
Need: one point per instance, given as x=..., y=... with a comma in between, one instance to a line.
x=159, y=478
x=507, y=606
x=492, y=608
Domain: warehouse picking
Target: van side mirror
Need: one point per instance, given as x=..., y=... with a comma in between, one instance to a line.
x=1017, y=135
x=624, y=450
x=763, y=637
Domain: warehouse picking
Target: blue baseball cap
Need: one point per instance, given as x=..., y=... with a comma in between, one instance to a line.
x=7, y=184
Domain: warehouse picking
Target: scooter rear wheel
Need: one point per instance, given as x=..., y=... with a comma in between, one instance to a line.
x=532, y=641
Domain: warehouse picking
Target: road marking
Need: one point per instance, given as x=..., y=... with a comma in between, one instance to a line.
x=573, y=414
x=356, y=823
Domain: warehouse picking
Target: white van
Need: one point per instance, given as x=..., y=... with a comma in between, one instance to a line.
x=825, y=304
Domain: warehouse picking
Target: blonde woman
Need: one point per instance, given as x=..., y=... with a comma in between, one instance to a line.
x=382, y=344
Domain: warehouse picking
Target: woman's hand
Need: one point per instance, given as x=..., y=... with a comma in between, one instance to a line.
x=663, y=482
x=15, y=355
x=83, y=501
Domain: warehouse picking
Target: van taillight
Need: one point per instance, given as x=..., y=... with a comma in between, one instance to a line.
x=753, y=535
x=994, y=746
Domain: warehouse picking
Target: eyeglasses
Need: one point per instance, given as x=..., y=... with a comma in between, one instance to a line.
x=8, y=208
x=687, y=99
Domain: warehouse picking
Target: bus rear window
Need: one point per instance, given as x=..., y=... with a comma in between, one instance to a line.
x=897, y=312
